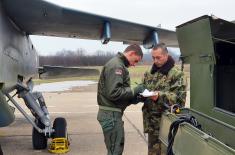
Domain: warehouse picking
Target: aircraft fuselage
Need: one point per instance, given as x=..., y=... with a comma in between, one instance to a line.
x=18, y=58
x=18, y=61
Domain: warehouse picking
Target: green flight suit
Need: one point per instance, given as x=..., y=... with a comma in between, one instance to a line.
x=172, y=89
x=114, y=95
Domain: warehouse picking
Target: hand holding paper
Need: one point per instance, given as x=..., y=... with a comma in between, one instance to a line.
x=152, y=94
x=147, y=93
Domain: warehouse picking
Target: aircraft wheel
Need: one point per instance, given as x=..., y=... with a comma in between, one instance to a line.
x=39, y=139
x=1, y=153
x=60, y=127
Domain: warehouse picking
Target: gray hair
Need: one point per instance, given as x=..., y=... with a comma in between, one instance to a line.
x=161, y=46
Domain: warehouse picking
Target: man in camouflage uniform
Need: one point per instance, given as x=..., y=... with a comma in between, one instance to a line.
x=169, y=83
x=114, y=95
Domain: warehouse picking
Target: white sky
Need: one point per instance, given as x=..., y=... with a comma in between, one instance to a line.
x=168, y=13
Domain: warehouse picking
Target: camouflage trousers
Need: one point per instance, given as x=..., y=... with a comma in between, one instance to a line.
x=151, y=123
x=113, y=130
x=154, y=145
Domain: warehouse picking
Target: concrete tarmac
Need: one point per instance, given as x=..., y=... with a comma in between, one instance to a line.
x=80, y=110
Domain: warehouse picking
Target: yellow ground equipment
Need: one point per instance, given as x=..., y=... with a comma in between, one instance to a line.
x=59, y=145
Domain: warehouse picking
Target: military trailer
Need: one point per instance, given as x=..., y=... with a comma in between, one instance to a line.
x=208, y=45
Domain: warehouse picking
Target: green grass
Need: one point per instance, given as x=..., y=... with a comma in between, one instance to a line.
x=137, y=73
x=39, y=81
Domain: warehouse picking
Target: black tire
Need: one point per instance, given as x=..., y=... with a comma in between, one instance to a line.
x=1, y=153
x=60, y=127
x=39, y=139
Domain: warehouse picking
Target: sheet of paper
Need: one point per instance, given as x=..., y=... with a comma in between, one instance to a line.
x=147, y=93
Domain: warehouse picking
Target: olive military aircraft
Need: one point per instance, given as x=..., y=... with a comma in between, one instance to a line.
x=19, y=60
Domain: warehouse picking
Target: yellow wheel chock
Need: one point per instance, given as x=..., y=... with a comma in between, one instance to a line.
x=59, y=145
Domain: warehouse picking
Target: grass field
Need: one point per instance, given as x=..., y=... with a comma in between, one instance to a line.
x=136, y=74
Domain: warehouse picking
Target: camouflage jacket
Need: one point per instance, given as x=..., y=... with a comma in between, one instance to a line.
x=172, y=90
x=114, y=84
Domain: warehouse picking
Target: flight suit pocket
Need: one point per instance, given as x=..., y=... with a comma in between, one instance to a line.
x=106, y=120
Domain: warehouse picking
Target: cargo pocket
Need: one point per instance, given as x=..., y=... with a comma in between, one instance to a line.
x=106, y=120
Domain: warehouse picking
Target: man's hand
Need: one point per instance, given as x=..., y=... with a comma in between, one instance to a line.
x=155, y=97
x=137, y=97
x=138, y=89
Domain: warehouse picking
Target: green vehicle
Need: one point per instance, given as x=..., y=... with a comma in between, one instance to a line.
x=208, y=45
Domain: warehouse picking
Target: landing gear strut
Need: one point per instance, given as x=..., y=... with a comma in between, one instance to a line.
x=42, y=127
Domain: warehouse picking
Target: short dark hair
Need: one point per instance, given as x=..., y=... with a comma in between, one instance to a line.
x=136, y=48
x=161, y=46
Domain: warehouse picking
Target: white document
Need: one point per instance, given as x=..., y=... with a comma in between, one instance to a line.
x=147, y=93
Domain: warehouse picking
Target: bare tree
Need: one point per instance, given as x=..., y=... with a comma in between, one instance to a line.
x=76, y=58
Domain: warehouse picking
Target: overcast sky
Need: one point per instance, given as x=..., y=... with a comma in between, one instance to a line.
x=168, y=13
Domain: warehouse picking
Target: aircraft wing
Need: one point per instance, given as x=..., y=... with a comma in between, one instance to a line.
x=38, y=17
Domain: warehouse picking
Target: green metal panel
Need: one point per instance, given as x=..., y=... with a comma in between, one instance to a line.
x=202, y=94
x=219, y=130
x=201, y=87
x=223, y=116
x=190, y=140
x=208, y=44
x=195, y=42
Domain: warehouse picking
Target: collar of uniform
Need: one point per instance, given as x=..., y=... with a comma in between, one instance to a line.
x=165, y=68
x=124, y=59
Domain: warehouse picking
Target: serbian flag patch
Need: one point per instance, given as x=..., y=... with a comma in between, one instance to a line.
x=118, y=71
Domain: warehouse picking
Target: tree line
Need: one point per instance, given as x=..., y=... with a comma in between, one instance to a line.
x=80, y=57
x=76, y=58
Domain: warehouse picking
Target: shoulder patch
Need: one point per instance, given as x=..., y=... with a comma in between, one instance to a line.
x=118, y=71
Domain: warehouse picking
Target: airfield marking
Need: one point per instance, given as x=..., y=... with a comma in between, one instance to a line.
x=136, y=128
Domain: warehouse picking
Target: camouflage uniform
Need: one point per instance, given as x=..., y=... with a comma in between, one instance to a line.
x=114, y=95
x=171, y=87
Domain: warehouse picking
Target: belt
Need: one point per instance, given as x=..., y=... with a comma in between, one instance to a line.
x=109, y=108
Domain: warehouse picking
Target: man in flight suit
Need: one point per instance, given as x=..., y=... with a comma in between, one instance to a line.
x=170, y=84
x=114, y=95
